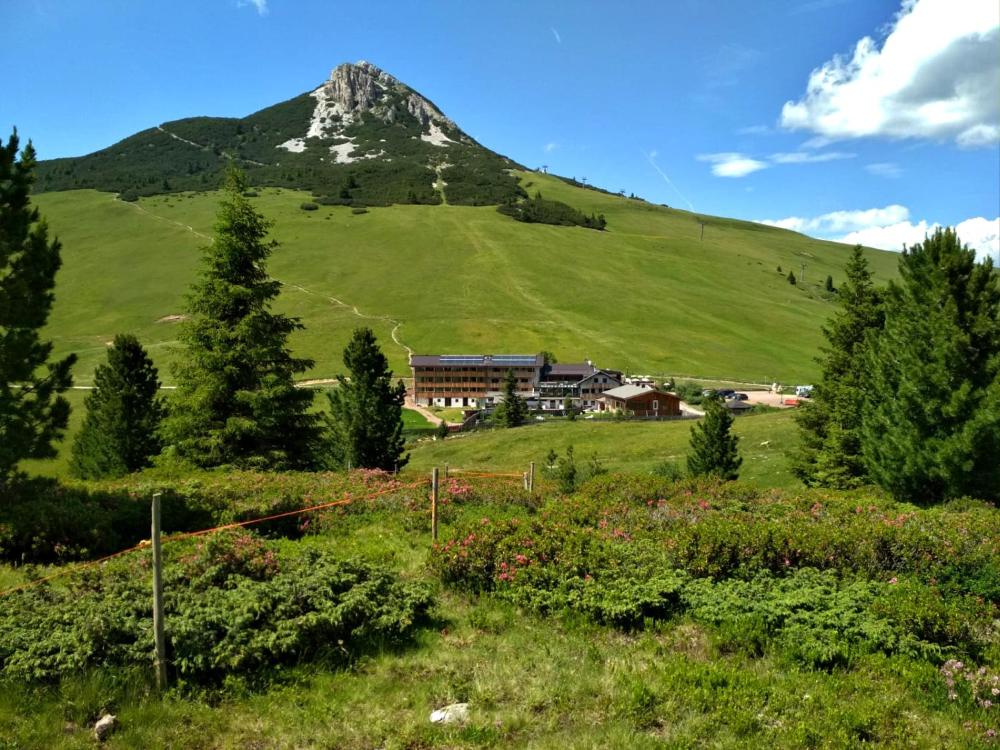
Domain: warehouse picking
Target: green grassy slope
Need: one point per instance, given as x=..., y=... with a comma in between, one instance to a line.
x=647, y=295
x=620, y=446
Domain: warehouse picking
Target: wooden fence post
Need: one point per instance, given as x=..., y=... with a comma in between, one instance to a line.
x=434, y=504
x=446, y=471
x=531, y=478
x=161, y=647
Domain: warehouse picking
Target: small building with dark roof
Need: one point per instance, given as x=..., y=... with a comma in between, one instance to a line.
x=583, y=383
x=638, y=401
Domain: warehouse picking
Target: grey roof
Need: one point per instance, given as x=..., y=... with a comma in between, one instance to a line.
x=476, y=360
x=580, y=370
x=627, y=392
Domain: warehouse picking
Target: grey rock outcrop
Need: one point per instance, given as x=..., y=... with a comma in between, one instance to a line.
x=362, y=87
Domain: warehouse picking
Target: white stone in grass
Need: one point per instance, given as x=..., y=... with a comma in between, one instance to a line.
x=105, y=726
x=456, y=713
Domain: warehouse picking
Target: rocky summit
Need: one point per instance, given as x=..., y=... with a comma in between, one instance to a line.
x=361, y=138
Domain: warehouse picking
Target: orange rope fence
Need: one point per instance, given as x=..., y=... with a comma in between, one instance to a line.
x=202, y=532
x=471, y=474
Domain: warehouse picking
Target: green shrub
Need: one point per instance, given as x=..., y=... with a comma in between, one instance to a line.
x=359, y=211
x=308, y=206
x=130, y=196
x=538, y=210
x=234, y=610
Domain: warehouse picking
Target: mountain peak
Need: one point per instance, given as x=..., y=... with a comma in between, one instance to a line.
x=361, y=136
x=356, y=88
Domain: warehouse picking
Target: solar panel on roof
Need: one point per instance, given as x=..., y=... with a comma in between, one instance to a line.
x=514, y=359
x=461, y=359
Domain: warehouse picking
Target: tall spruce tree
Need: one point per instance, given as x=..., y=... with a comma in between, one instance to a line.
x=830, y=422
x=512, y=411
x=931, y=413
x=714, y=449
x=366, y=410
x=121, y=431
x=32, y=413
x=236, y=401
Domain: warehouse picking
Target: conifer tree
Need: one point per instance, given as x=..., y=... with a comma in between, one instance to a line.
x=33, y=414
x=931, y=413
x=236, y=401
x=512, y=411
x=121, y=431
x=713, y=448
x=791, y=278
x=830, y=421
x=366, y=410
x=829, y=285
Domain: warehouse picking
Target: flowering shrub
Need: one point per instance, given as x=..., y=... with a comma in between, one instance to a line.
x=980, y=686
x=819, y=576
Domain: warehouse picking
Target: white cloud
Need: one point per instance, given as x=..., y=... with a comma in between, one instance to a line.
x=843, y=221
x=936, y=75
x=979, y=135
x=890, y=228
x=805, y=157
x=735, y=164
x=983, y=235
x=732, y=164
x=556, y=35
x=550, y=147
x=260, y=5
x=884, y=169
x=755, y=130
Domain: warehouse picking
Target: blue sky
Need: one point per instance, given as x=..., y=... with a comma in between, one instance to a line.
x=851, y=119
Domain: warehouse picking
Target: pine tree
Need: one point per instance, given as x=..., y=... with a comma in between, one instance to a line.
x=121, y=430
x=236, y=401
x=829, y=285
x=830, y=422
x=512, y=411
x=366, y=410
x=791, y=278
x=33, y=414
x=713, y=448
x=931, y=414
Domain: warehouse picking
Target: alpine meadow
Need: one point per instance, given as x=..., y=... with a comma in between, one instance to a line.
x=334, y=413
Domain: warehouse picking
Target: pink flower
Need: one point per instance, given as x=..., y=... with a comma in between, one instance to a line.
x=894, y=580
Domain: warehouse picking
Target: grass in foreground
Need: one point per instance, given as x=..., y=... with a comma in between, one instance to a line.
x=561, y=680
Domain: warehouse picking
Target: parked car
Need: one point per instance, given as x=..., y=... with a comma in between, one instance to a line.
x=804, y=391
x=737, y=397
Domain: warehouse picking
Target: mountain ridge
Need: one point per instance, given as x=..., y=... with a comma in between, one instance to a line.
x=362, y=137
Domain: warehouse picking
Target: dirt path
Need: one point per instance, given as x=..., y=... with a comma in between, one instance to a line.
x=429, y=416
x=396, y=324
x=440, y=184
x=205, y=148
